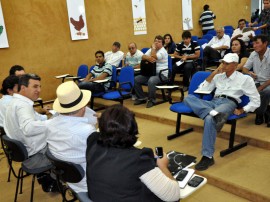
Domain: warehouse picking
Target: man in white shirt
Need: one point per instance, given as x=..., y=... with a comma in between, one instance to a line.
x=230, y=85
x=158, y=54
x=133, y=57
x=9, y=86
x=67, y=133
x=215, y=49
x=240, y=32
x=115, y=56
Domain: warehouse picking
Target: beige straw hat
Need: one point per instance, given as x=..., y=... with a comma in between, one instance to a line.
x=70, y=98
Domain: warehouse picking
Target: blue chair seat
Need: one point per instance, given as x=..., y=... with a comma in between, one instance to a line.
x=114, y=95
x=233, y=116
x=180, y=108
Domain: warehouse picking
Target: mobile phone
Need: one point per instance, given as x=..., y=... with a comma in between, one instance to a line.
x=195, y=181
x=181, y=175
x=159, y=152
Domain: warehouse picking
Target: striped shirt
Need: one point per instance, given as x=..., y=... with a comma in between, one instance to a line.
x=105, y=68
x=207, y=20
x=188, y=50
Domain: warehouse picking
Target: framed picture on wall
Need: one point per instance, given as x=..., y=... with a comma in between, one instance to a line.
x=3, y=33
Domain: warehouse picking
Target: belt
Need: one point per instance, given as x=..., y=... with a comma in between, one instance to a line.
x=228, y=97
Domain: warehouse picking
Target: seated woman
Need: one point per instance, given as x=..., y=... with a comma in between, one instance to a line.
x=117, y=171
x=169, y=44
x=238, y=46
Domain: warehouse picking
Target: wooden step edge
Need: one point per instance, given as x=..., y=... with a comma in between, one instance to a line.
x=223, y=134
x=235, y=189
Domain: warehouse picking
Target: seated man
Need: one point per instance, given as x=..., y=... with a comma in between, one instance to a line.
x=159, y=55
x=67, y=133
x=16, y=70
x=259, y=61
x=24, y=124
x=187, y=51
x=114, y=56
x=9, y=86
x=215, y=49
x=239, y=34
x=102, y=70
x=230, y=86
x=133, y=57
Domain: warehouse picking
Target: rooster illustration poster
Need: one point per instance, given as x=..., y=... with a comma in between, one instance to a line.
x=77, y=19
x=187, y=14
x=3, y=33
x=139, y=17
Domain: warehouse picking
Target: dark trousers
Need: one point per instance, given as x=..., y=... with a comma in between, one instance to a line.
x=187, y=68
x=92, y=86
x=209, y=54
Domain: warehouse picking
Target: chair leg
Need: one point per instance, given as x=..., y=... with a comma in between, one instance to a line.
x=177, y=130
x=21, y=183
x=9, y=172
x=18, y=182
x=32, y=189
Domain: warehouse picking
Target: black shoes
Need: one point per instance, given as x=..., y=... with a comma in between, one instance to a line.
x=150, y=104
x=204, y=163
x=259, y=119
x=220, y=119
x=139, y=102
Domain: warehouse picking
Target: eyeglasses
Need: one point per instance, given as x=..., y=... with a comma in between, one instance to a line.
x=131, y=48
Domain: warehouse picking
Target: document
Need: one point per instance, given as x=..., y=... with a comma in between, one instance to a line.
x=202, y=91
x=179, y=62
x=62, y=76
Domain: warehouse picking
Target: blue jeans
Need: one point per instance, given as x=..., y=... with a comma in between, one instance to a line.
x=151, y=81
x=92, y=86
x=202, y=108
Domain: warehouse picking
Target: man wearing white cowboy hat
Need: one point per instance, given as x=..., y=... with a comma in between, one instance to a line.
x=68, y=132
x=230, y=85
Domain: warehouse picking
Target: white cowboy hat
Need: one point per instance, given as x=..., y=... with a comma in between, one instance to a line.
x=70, y=98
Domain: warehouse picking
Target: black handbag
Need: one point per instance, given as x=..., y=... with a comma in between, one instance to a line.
x=147, y=68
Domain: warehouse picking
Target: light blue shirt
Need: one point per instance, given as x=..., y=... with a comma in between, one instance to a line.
x=133, y=60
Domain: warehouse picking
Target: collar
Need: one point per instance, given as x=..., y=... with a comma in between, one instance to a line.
x=186, y=45
x=7, y=96
x=232, y=77
x=265, y=55
x=23, y=98
x=103, y=64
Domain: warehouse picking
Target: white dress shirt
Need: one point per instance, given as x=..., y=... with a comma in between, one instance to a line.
x=67, y=140
x=4, y=101
x=216, y=42
x=24, y=124
x=114, y=58
x=245, y=37
x=235, y=86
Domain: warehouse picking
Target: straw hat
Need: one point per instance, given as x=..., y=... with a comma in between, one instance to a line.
x=70, y=98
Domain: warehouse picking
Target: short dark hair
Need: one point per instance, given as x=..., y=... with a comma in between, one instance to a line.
x=9, y=83
x=15, y=68
x=186, y=34
x=205, y=7
x=99, y=52
x=241, y=20
x=116, y=43
x=263, y=38
x=159, y=37
x=24, y=80
x=118, y=127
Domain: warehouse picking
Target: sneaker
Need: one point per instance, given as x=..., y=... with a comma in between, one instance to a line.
x=220, y=119
x=150, y=104
x=204, y=163
x=139, y=102
x=133, y=97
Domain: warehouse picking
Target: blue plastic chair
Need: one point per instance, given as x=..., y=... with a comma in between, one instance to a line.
x=228, y=27
x=82, y=71
x=126, y=83
x=194, y=38
x=202, y=41
x=208, y=37
x=213, y=32
x=229, y=32
x=144, y=50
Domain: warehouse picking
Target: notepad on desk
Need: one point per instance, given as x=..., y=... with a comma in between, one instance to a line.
x=101, y=81
x=167, y=87
x=202, y=91
x=62, y=76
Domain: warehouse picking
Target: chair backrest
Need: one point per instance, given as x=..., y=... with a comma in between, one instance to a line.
x=82, y=71
x=15, y=149
x=207, y=37
x=228, y=27
x=2, y=131
x=126, y=75
x=213, y=32
x=170, y=63
x=144, y=50
x=196, y=80
x=202, y=41
x=229, y=32
x=194, y=38
x=67, y=171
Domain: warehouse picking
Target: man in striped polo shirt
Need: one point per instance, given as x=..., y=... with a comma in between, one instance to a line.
x=207, y=19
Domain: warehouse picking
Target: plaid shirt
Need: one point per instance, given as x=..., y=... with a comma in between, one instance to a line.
x=264, y=18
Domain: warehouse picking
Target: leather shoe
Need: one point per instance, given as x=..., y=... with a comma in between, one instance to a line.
x=259, y=119
x=139, y=102
x=220, y=119
x=150, y=104
x=204, y=163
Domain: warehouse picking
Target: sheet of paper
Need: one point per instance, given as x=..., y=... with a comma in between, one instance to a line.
x=179, y=62
x=61, y=76
x=101, y=81
x=202, y=91
x=167, y=87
